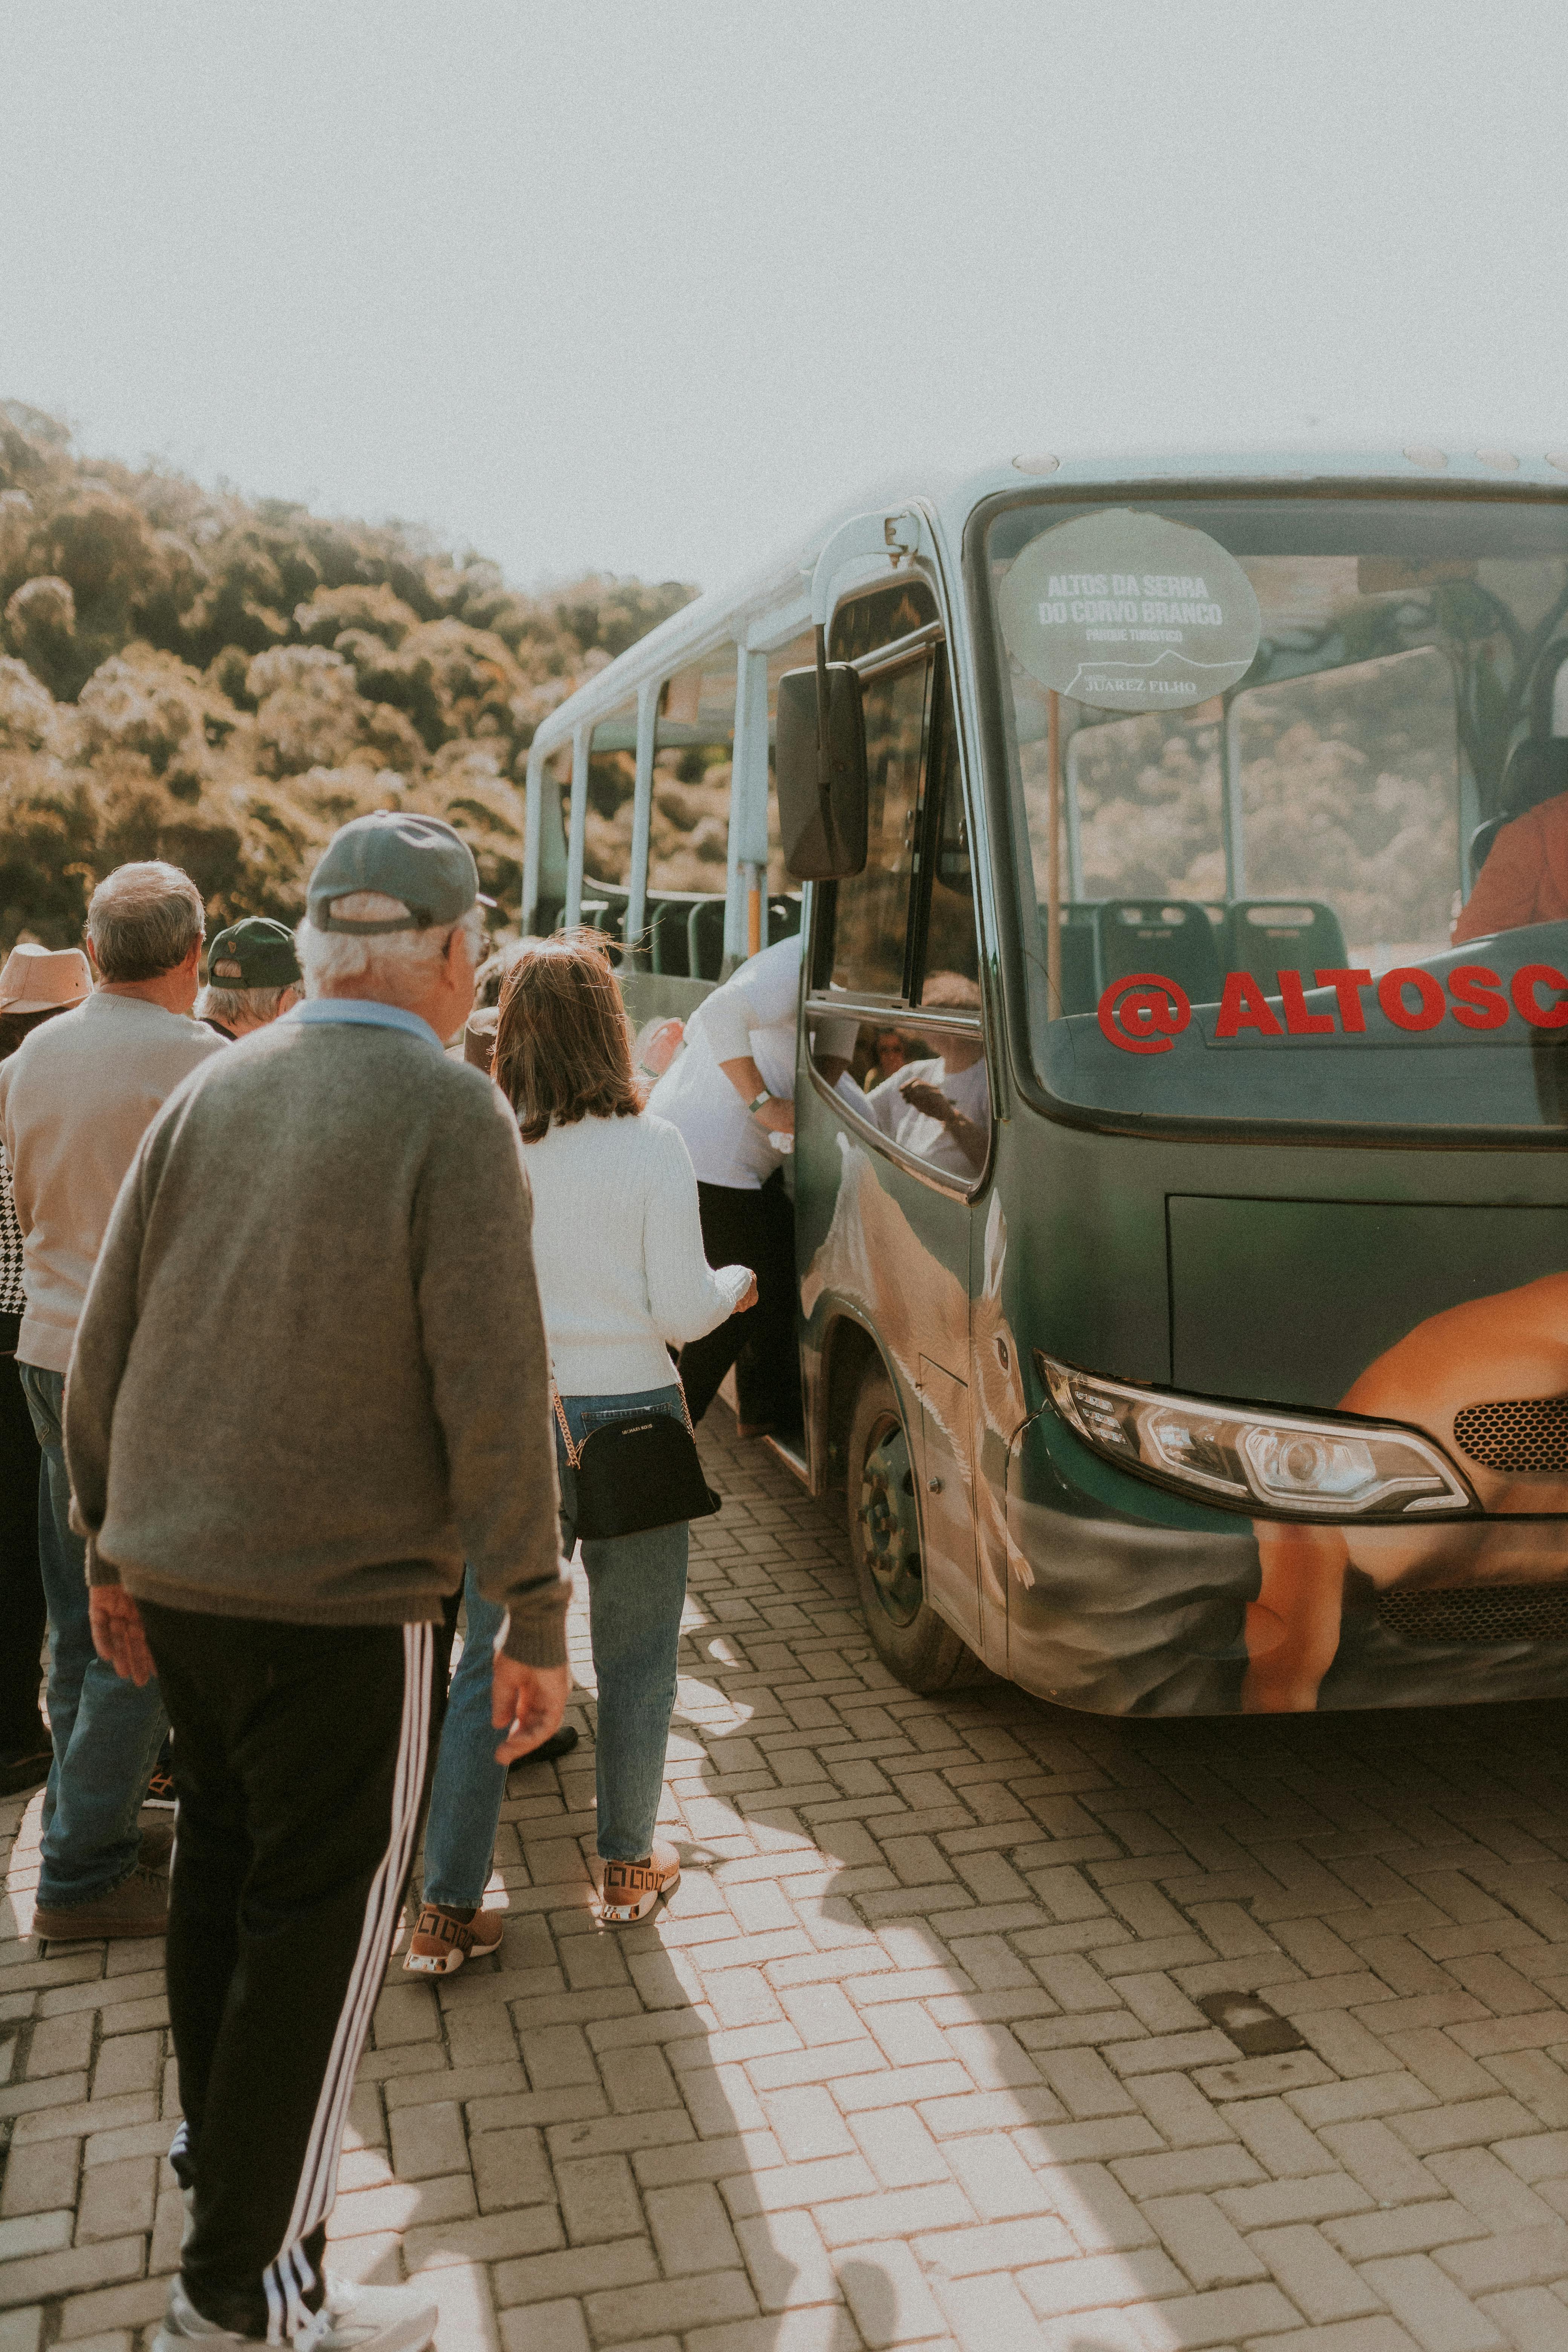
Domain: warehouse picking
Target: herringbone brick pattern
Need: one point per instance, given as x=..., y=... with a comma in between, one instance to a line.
x=919, y=2054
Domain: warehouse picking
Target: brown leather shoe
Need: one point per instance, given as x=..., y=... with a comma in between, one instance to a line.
x=631, y=1889
x=443, y=1940
x=137, y=1907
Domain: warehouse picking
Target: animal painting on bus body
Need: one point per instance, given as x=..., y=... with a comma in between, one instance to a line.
x=1512, y=1347
x=872, y=1257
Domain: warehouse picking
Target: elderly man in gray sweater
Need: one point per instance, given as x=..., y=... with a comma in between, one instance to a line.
x=309, y=1380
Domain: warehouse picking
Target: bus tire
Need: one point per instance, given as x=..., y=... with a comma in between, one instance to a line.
x=912, y=1641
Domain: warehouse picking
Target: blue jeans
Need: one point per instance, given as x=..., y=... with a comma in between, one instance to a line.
x=637, y=1587
x=466, y=1793
x=106, y=1732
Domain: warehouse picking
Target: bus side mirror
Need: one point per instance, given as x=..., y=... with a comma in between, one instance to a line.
x=822, y=825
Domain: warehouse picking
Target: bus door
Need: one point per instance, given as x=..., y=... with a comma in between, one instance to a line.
x=894, y=1137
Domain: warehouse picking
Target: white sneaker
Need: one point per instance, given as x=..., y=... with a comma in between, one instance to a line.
x=352, y=2319
x=370, y=2319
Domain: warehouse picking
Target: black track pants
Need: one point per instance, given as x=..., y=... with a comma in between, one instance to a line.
x=21, y=1584
x=299, y=1766
x=755, y=1228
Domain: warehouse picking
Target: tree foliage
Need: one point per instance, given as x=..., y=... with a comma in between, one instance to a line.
x=196, y=676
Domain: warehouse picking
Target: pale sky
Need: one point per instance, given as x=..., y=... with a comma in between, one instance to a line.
x=644, y=287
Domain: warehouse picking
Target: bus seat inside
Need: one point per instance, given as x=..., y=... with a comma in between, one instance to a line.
x=598, y=915
x=669, y=936
x=1482, y=841
x=1537, y=771
x=1265, y=936
x=705, y=939
x=1173, y=936
x=685, y=934
x=1080, y=971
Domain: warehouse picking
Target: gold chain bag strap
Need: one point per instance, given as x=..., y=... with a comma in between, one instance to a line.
x=639, y=1471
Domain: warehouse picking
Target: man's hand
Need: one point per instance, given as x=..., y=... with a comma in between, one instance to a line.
x=776, y=1115
x=527, y=1704
x=117, y=1633
x=971, y=1140
x=749, y=1300
x=928, y=1100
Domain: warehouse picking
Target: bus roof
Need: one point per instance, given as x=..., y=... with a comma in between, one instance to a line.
x=771, y=603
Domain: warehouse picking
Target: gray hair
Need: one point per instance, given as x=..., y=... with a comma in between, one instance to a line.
x=143, y=919
x=393, y=963
x=234, y=1005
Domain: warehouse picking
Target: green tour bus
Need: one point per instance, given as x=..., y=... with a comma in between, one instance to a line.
x=1199, y=827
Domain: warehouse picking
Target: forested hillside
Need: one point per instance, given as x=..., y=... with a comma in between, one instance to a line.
x=196, y=676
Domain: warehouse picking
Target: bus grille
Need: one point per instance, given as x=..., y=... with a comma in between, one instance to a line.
x=1526, y=1434
x=1477, y=1613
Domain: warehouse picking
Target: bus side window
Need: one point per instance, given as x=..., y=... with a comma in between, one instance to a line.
x=869, y=916
x=951, y=943
x=905, y=930
x=694, y=745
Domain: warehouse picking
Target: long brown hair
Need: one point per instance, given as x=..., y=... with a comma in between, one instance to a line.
x=564, y=1051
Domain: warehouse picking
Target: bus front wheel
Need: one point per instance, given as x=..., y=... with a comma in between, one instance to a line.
x=912, y=1641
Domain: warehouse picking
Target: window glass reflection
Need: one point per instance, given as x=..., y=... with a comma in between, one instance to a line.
x=612, y=779
x=694, y=745
x=872, y=912
x=924, y=1089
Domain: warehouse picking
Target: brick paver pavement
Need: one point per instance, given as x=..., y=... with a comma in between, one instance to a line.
x=920, y=2054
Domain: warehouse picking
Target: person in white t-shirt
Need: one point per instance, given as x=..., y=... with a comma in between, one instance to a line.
x=623, y=1278
x=727, y=1094
x=940, y=1109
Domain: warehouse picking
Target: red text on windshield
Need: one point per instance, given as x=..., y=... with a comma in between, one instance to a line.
x=1144, y=1013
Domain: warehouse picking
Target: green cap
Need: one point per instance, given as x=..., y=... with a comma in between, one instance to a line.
x=256, y=953
x=421, y=861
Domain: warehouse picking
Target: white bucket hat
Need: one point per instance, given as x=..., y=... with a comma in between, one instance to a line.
x=34, y=979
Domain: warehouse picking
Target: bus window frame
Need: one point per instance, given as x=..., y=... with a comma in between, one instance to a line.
x=745, y=879
x=590, y=884
x=1006, y=827
x=933, y=636
x=753, y=790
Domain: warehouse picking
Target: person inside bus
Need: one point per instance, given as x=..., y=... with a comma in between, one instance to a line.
x=941, y=1108
x=1525, y=878
x=891, y=1051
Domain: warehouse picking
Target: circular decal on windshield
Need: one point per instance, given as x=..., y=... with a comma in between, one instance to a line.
x=1129, y=612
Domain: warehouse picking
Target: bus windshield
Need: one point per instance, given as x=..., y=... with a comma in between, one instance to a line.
x=1289, y=780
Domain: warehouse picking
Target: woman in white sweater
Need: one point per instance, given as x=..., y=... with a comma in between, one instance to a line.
x=617, y=1245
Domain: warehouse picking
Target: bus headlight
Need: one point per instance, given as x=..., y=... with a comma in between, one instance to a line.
x=1278, y=1462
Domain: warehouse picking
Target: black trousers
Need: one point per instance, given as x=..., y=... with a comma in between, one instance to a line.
x=301, y=1757
x=21, y=1585
x=755, y=1228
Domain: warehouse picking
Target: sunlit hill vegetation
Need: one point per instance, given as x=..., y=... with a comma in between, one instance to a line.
x=222, y=681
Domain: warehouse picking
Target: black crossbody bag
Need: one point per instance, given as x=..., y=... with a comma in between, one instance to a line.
x=637, y=1473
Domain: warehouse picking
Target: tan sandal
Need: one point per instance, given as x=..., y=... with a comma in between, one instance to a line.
x=631, y=1889
x=441, y=1941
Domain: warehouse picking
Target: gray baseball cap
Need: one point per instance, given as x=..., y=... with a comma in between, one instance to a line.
x=420, y=860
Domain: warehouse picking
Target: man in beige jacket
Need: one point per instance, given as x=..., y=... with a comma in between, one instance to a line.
x=75, y=1099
